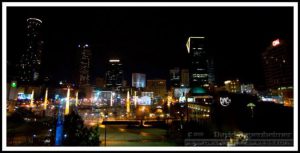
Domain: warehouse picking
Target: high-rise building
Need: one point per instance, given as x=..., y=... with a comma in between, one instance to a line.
x=211, y=71
x=185, y=81
x=175, y=77
x=31, y=59
x=278, y=69
x=278, y=65
x=84, y=64
x=138, y=80
x=158, y=87
x=114, y=74
x=198, y=61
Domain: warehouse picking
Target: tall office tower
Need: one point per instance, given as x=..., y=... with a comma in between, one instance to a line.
x=278, y=64
x=175, y=77
x=198, y=61
x=211, y=71
x=31, y=59
x=84, y=64
x=185, y=81
x=158, y=87
x=138, y=80
x=114, y=74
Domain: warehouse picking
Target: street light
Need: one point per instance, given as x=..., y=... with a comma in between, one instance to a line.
x=105, y=132
x=251, y=105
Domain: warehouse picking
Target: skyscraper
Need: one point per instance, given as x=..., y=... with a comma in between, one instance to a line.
x=185, y=81
x=278, y=69
x=211, y=71
x=114, y=74
x=198, y=61
x=84, y=64
x=278, y=65
x=31, y=59
x=157, y=86
x=175, y=77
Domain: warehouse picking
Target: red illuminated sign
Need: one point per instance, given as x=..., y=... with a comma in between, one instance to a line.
x=276, y=42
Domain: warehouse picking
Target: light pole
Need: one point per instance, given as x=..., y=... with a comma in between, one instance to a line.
x=251, y=105
x=105, y=117
x=104, y=135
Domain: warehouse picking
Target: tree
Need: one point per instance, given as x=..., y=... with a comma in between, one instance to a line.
x=76, y=134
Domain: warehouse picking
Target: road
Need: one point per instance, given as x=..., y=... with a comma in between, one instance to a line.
x=121, y=135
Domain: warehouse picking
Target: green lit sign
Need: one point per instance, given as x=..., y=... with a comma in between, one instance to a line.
x=14, y=84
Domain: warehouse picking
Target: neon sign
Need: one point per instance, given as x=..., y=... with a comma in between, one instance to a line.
x=225, y=101
x=276, y=42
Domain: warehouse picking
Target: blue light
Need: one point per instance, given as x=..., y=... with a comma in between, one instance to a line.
x=22, y=96
x=56, y=96
x=59, y=128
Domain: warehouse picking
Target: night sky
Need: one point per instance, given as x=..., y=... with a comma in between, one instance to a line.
x=152, y=40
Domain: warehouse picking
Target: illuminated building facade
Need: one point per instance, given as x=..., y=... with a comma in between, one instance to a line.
x=184, y=80
x=149, y=94
x=114, y=74
x=278, y=65
x=199, y=61
x=233, y=86
x=84, y=64
x=175, y=77
x=278, y=69
x=138, y=80
x=211, y=71
x=31, y=59
x=247, y=88
x=158, y=87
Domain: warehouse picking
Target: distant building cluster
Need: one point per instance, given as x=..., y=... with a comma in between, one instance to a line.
x=195, y=84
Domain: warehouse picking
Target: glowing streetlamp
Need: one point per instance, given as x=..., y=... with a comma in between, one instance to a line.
x=127, y=104
x=76, y=100
x=251, y=105
x=67, y=102
x=111, y=98
x=32, y=98
x=45, y=100
x=135, y=99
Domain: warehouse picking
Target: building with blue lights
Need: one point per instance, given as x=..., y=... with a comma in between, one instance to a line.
x=138, y=80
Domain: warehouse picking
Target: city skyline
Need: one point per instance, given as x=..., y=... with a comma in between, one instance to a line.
x=106, y=74
x=160, y=34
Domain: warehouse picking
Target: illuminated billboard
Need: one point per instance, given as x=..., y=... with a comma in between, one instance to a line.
x=22, y=96
x=145, y=100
